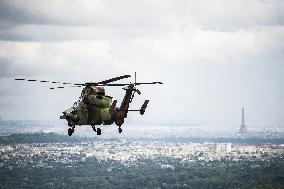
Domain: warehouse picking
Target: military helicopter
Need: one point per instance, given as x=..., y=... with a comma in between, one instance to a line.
x=94, y=107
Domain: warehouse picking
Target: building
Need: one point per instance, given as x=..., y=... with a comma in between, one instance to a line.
x=243, y=128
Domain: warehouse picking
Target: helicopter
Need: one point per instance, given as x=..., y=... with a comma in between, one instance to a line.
x=94, y=107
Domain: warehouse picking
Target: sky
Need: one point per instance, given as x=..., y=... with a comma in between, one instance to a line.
x=214, y=57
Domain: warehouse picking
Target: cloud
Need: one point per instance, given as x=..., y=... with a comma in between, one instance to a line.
x=232, y=15
x=4, y=68
x=34, y=58
x=100, y=13
x=227, y=14
x=213, y=56
x=109, y=53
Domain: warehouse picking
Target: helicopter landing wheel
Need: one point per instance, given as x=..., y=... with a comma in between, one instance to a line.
x=70, y=131
x=99, y=131
x=119, y=129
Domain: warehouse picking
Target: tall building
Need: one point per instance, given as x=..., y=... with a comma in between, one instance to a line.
x=243, y=128
x=223, y=147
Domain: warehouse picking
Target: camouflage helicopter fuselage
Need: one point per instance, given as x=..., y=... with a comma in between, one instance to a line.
x=95, y=108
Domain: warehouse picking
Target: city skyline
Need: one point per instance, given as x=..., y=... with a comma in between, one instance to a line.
x=57, y=161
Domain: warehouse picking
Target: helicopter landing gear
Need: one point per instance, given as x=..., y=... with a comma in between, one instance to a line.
x=119, y=129
x=97, y=130
x=70, y=131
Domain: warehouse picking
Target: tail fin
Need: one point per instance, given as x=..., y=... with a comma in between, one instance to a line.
x=143, y=107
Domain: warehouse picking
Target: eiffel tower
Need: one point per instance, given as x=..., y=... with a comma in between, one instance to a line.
x=243, y=128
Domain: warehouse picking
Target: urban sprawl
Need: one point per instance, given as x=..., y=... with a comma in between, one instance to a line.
x=129, y=152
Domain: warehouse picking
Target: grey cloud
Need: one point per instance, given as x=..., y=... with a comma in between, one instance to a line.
x=5, y=70
x=213, y=56
x=226, y=14
x=95, y=13
x=8, y=69
x=87, y=20
x=12, y=14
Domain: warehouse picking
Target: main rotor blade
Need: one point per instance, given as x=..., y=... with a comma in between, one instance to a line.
x=149, y=83
x=45, y=81
x=53, y=82
x=105, y=82
x=56, y=88
x=114, y=79
x=61, y=87
x=115, y=84
x=126, y=84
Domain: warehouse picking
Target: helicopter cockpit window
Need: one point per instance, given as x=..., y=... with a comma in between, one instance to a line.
x=89, y=91
x=100, y=91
